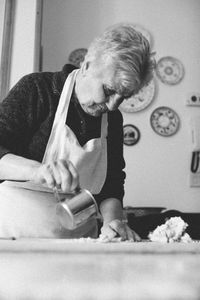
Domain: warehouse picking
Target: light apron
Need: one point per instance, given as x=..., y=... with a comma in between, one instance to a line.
x=28, y=209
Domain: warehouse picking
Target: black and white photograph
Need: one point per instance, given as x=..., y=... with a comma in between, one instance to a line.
x=99, y=150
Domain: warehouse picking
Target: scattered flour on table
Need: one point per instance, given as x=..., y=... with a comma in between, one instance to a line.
x=172, y=231
x=98, y=240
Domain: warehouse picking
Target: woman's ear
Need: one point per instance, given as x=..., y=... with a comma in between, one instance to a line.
x=84, y=67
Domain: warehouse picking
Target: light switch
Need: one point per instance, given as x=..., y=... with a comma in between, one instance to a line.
x=193, y=99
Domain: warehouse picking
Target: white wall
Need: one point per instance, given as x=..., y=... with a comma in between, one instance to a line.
x=157, y=168
x=22, y=60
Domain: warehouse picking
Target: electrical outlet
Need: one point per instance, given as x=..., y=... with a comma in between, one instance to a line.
x=193, y=99
x=194, y=180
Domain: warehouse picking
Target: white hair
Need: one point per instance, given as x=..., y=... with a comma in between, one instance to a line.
x=130, y=52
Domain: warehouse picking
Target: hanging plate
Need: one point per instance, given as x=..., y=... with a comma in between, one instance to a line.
x=169, y=70
x=131, y=135
x=77, y=56
x=139, y=101
x=165, y=121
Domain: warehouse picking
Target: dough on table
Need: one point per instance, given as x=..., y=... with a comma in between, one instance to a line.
x=172, y=231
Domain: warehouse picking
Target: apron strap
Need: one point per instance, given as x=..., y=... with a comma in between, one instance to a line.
x=61, y=113
x=104, y=125
x=62, y=109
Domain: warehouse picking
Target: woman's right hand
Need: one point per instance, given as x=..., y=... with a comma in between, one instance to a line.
x=60, y=173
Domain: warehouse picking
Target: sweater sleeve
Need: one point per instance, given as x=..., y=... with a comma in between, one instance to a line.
x=114, y=183
x=16, y=117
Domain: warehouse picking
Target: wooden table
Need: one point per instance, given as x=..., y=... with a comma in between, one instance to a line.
x=75, y=270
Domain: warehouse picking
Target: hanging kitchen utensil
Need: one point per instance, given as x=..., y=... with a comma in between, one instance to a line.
x=195, y=169
x=195, y=162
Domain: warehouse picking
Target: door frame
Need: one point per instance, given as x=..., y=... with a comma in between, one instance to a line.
x=7, y=39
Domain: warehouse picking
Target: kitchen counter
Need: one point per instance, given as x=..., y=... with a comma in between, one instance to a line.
x=86, y=269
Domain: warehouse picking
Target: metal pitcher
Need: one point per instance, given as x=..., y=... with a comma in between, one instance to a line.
x=75, y=209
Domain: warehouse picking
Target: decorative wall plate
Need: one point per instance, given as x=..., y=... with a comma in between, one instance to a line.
x=169, y=70
x=165, y=121
x=139, y=101
x=131, y=135
x=77, y=56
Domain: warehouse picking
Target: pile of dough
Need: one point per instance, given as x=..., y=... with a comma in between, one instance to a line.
x=172, y=231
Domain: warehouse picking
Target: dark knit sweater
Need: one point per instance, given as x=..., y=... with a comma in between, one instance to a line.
x=26, y=119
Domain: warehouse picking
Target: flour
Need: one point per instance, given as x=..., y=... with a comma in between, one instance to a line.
x=98, y=240
x=172, y=231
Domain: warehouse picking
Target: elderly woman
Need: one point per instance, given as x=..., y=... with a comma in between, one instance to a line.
x=64, y=129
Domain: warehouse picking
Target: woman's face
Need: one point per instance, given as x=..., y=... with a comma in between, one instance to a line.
x=96, y=87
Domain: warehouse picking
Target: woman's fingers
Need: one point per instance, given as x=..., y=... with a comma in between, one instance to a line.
x=137, y=238
x=69, y=176
x=107, y=233
x=60, y=173
x=75, y=176
x=66, y=176
x=44, y=175
x=118, y=228
x=56, y=174
x=132, y=235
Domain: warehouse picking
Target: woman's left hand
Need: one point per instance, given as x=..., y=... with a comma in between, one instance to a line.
x=117, y=228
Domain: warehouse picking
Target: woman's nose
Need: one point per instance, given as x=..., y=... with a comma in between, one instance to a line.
x=114, y=102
